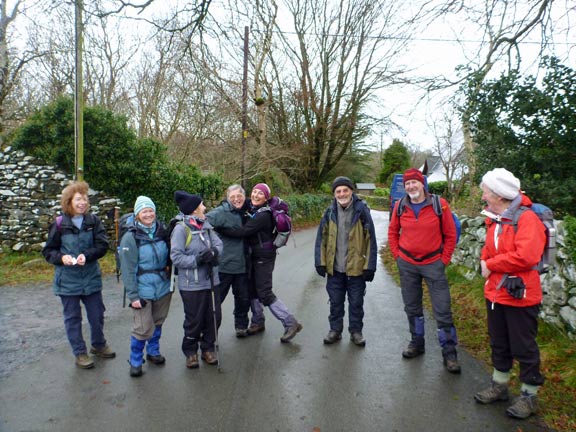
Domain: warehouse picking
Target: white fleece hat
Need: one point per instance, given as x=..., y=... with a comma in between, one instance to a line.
x=143, y=202
x=502, y=182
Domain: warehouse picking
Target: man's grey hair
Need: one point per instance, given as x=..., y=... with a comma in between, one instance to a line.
x=234, y=187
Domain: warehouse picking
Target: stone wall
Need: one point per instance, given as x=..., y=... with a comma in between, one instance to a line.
x=30, y=200
x=558, y=285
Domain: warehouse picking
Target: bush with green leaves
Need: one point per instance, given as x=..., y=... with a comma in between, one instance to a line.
x=527, y=124
x=115, y=160
x=438, y=187
x=570, y=239
x=307, y=208
x=382, y=192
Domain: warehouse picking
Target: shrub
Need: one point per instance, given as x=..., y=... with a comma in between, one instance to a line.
x=116, y=161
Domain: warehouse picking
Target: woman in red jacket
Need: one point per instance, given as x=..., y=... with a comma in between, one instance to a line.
x=512, y=290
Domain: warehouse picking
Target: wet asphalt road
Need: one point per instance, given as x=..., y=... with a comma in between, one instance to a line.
x=263, y=385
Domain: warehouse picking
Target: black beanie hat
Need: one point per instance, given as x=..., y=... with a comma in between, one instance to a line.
x=187, y=203
x=342, y=181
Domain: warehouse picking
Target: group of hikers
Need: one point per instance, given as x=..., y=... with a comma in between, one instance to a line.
x=232, y=247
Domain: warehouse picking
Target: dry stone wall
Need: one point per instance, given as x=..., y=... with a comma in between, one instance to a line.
x=558, y=285
x=30, y=200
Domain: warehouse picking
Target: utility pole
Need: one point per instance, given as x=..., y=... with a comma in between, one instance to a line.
x=79, y=96
x=244, y=109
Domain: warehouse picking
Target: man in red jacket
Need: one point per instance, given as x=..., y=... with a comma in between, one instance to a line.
x=422, y=244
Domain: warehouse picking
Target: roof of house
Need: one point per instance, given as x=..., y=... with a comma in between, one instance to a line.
x=365, y=186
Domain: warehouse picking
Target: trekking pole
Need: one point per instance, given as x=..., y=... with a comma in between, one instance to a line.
x=216, y=344
x=117, y=244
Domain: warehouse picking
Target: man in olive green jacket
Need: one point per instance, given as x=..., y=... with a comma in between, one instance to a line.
x=346, y=251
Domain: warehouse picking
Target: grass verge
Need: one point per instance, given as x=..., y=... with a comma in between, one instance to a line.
x=21, y=268
x=557, y=350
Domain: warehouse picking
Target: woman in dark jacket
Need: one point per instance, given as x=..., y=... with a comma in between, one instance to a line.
x=259, y=231
x=144, y=258
x=76, y=241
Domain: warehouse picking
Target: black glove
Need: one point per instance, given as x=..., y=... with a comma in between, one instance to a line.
x=368, y=275
x=515, y=287
x=321, y=270
x=207, y=256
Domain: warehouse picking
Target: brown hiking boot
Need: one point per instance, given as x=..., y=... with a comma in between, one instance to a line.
x=332, y=337
x=210, y=357
x=156, y=359
x=451, y=361
x=290, y=333
x=192, y=362
x=83, y=361
x=413, y=350
x=241, y=333
x=496, y=392
x=524, y=406
x=357, y=339
x=105, y=352
x=255, y=328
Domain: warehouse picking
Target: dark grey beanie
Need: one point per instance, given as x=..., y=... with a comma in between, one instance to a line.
x=342, y=181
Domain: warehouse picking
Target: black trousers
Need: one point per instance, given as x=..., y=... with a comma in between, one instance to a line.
x=239, y=284
x=199, y=320
x=261, y=270
x=513, y=332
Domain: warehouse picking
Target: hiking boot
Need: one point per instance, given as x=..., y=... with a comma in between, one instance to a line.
x=332, y=337
x=105, y=352
x=192, y=362
x=136, y=371
x=524, y=406
x=241, y=333
x=156, y=359
x=210, y=357
x=496, y=392
x=83, y=361
x=452, y=366
x=255, y=328
x=290, y=333
x=357, y=339
x=412, y=351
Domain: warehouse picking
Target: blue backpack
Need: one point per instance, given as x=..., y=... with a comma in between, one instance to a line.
x=546, y=216
x=437, y=206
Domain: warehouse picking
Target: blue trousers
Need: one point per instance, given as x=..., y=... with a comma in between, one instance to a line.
x=338, y=286
x=73, y=320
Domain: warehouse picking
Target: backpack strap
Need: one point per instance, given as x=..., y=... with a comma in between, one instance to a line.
x=515, y=218
x=401, y=205
x=188, y=233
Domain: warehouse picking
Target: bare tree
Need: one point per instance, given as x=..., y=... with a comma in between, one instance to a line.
x=12, y=64
x=449, y=146
x=505, y=26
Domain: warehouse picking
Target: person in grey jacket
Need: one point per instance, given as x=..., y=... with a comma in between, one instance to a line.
x=195, y=248
x=76, y=241
x=144, y=261
x=232, y=269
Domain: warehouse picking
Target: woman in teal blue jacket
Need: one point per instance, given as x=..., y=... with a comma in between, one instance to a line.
x=144, y=261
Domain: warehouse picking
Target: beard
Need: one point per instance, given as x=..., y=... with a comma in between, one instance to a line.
x=344, y=202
